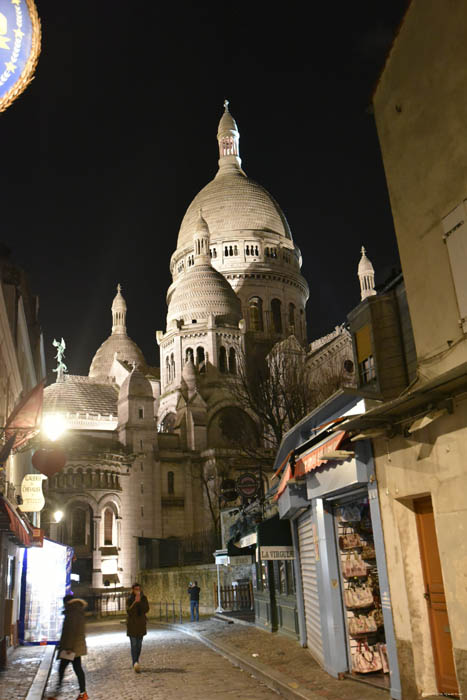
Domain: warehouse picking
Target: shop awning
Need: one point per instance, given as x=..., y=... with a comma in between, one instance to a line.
x=11, y=523
x=311, y=459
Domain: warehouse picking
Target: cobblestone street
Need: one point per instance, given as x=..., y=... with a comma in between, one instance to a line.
x=173, y=666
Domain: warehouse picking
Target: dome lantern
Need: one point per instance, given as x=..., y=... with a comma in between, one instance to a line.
x=119, y=312
x=228, y=138
x=366, y=275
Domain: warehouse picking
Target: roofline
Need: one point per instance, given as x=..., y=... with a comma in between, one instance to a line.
x=388, y=55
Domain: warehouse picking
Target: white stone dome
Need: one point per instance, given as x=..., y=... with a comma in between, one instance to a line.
x=125, y=349
x=202, y=292
x=231, y=203
x=118, y=345
x=364, y=266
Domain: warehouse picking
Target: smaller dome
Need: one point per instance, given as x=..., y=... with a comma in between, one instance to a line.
x=200, y=293
x=365, y=266
x=136, y=386
x=119, y=346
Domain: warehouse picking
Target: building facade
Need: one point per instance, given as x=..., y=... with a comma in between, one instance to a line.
x=145, y=447
x=419, y=436
x=22, y=367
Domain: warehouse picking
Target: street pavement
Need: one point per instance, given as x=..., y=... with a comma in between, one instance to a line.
x=16, y=679
x=174, y=666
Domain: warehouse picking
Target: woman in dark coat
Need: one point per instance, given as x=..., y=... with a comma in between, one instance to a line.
x=73, y=643
x=136, y=608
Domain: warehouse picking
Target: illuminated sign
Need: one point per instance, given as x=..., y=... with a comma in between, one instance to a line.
x=20, y=43
x=31, y=493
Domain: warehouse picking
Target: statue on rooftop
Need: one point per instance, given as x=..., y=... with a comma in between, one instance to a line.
x=61, y=366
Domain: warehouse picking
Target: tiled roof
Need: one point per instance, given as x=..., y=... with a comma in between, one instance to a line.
x=79, y=394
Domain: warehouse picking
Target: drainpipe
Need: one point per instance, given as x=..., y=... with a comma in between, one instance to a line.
x=298, y=586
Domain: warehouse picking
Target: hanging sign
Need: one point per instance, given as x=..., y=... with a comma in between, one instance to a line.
x=31, y=493
x=20, y=44
x=247, y=485
x=277, y=553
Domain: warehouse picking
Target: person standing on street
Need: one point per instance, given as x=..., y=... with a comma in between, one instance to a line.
x=136, y=608
x=193, y=592
x=72, y=645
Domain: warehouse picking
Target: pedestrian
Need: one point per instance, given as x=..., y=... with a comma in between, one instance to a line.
x=136, y=608
x=72, y=645
x=193, y=592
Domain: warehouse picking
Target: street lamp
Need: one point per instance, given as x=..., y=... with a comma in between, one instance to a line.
x=58, y=515
x=54, y=425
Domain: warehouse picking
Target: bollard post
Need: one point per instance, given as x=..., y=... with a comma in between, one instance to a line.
x=166, y=611
x=181, y=620
x=160, y=610
x=173, y=610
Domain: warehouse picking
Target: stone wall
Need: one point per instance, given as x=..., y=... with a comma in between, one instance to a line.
x=171, y=584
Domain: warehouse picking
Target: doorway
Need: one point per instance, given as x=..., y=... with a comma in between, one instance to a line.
x=434, y=594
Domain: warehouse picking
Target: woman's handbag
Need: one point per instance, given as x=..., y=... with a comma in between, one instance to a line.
x=350, y=514
x=354, y=566
x=358, y=597
x=361, y=624
x=350, y=540
x=366, y=660
x=66, y=654
x=383, y=652
x=377, y=615
x=368, y=552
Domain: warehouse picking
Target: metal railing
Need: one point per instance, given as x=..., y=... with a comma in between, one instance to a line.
x=108, y=604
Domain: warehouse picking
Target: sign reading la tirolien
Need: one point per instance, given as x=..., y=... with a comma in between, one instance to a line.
x=20, y=43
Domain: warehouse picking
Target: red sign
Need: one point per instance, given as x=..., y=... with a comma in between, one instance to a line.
x=247, y=485
x=49, y=462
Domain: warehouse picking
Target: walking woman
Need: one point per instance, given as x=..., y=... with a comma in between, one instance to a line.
x=136, y=608
x=72, y=645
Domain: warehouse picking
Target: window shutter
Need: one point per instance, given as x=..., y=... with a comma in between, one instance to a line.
x=455, y=236
x=363, y=342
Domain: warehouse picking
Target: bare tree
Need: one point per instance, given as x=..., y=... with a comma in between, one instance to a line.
x=278, y=395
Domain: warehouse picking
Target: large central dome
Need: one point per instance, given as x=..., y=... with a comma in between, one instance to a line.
x=233, y=202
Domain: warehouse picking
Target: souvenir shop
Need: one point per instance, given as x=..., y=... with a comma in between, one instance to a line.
x=329, y=493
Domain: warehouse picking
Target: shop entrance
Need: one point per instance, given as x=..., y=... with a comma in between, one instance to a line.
x=361, y=597
x=435, y=598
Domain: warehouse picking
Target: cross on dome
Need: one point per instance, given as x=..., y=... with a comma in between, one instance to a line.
x=226, y=105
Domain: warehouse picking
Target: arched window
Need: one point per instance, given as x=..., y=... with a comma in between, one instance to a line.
x=78, y=527
x=222, y=360
x=167, y=370
x=172, y=366
x=232, y=361
x=170, y=482
x=108, y=526
x=199, y=355
x=276, y=315
x=292, y=317
x=189, y=354
x=255, y=309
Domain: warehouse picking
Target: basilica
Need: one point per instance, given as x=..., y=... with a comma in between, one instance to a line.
x=141, y=440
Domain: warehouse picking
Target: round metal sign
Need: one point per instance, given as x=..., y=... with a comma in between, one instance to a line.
x=20, y=45
x=247, y=485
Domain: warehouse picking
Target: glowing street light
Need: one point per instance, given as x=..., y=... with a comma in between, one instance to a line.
x=58, y=515
x=54, y=425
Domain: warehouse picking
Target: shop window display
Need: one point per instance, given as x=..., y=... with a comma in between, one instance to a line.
x=360, y=591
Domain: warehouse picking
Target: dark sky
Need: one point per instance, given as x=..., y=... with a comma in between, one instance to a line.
x=104, y=152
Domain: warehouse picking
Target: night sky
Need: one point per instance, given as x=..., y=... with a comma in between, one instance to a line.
x=105, y=150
